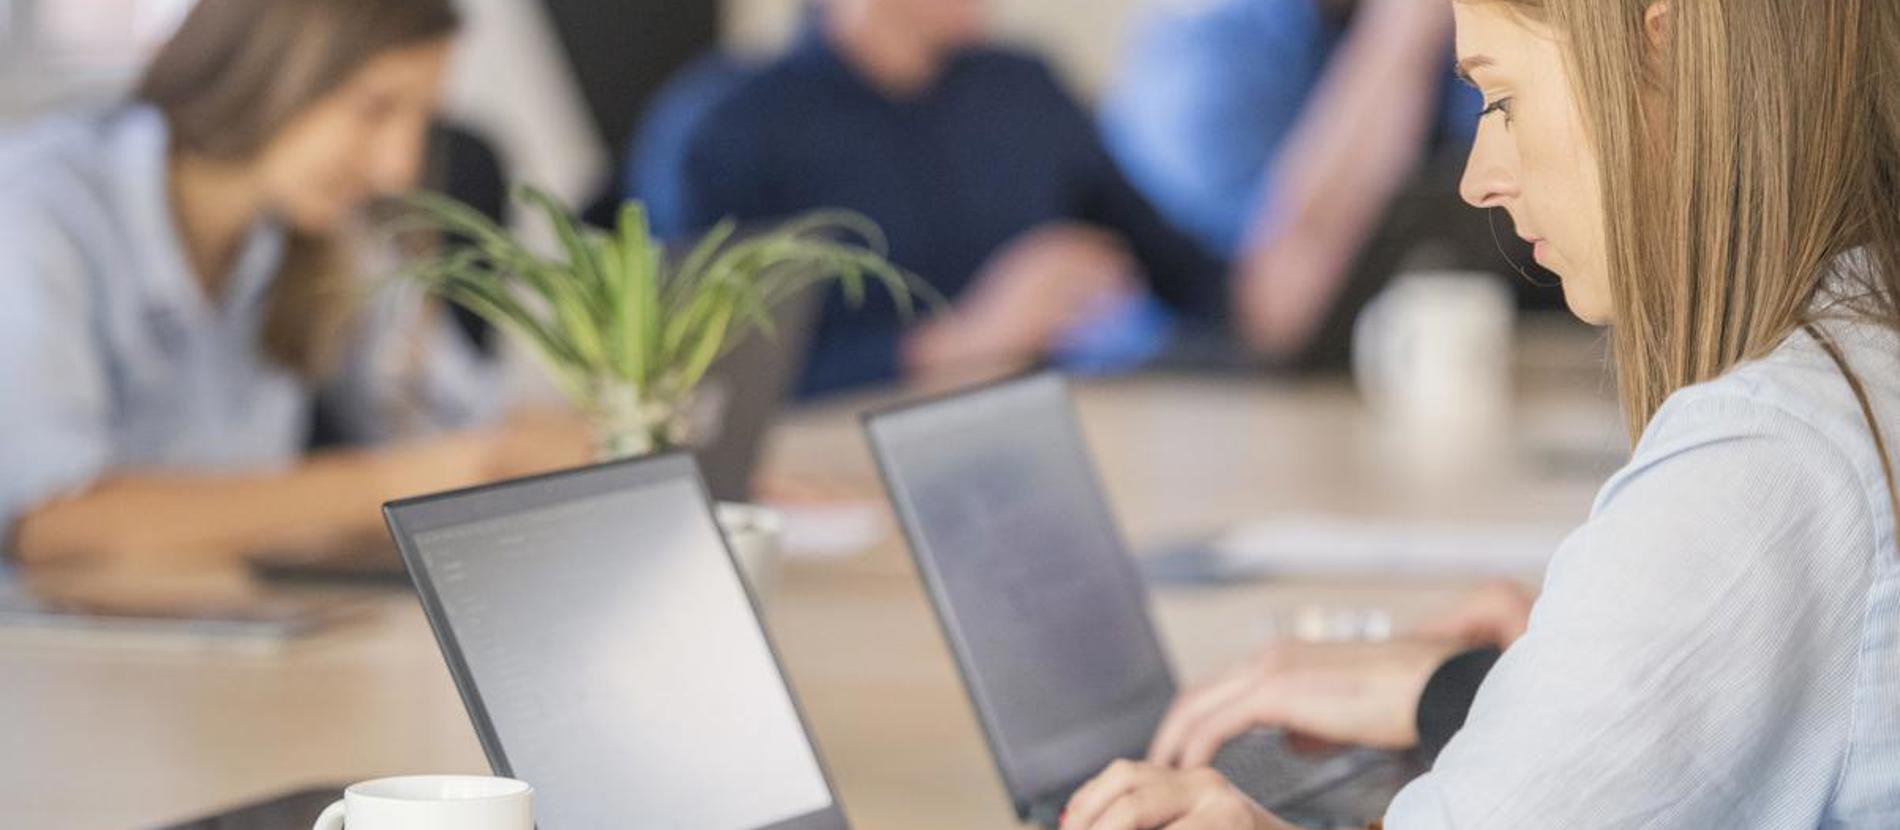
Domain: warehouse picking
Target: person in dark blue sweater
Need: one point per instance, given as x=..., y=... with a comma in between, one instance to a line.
x=989, y=179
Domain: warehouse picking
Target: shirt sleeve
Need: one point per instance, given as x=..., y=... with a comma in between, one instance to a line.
x=1203, y=103
x=410, y=372
x=1446, y=702
x=724, y=175
x=1179, y=271
x=1690, y=663
x=657, y=155
x=55, y=423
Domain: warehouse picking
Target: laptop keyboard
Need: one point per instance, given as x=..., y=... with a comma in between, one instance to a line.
x=1342, y=788
x=1347, y=788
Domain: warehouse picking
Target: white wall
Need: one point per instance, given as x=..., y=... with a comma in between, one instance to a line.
x=1082, y=37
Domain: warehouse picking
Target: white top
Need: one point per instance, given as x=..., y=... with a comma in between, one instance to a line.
x=1719, y=646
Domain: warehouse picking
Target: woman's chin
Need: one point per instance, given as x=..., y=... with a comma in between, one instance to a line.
x=1588, y=306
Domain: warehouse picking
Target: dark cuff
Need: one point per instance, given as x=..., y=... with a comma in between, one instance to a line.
x=1448, y=696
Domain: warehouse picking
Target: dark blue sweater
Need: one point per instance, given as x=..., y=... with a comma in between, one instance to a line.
x=993, y=149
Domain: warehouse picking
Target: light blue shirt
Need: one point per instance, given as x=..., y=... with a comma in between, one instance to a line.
x=112, y=358
x=1208, y=93
x=1719, y=645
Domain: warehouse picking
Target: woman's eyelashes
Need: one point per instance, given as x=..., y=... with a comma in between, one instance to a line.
x=1500, y=106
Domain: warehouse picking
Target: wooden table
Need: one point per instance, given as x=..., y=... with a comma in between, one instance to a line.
x=102, y=736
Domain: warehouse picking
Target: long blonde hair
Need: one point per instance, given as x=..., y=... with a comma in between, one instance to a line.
x=1742, y=154
x=238, y=71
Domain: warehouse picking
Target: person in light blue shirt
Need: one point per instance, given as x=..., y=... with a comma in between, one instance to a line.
x=178, y=289
x=1718, y=645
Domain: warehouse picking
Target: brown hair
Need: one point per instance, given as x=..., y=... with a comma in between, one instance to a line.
x=234, y=75
x=1742, y=156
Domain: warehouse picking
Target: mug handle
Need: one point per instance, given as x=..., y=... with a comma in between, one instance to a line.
x=332, y=817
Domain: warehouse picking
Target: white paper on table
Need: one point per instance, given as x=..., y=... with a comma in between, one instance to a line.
x=1330, y=545
x=832, y=530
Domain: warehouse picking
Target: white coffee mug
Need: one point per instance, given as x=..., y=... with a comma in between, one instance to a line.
x=432, y=802
x=756, y=535
x=1434, y=350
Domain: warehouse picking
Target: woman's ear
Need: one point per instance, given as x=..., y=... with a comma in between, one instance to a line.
x=1656, y=23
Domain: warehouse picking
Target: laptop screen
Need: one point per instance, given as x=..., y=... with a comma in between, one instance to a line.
x=610, y=653
x=1043, y=607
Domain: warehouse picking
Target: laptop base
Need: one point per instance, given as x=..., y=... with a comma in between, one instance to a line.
x=1344, y=789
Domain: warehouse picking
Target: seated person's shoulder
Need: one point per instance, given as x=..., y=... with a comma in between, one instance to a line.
x=1793, y=409
x=1798, y=384
x=60, y=172
x=56, y=154
x=698, y=89
x=58, y=202
x=736, y=94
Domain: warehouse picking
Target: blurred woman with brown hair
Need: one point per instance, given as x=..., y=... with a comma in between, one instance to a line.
x=1718, y=183
x=178, y=288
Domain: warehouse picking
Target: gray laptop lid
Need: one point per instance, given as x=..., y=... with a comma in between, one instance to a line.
x=740, y=398
x=609, y=653
x=1043, y=607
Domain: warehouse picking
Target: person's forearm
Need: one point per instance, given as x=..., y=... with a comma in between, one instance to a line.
x=1344, y=163
x=172, y=518
x=1371, y=113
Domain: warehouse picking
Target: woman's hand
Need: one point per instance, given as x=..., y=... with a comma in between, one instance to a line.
x=526, y=443
x=426, y=465
x=1353, y=693
x=537, y=441
x=1041, y=285
x=1360, y=694
x=1494, y=615
x=1132, y=795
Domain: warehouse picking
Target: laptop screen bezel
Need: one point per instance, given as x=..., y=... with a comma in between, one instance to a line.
x=1022, y=799
x=410, y=518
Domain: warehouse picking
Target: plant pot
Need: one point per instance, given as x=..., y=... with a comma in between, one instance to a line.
x=628, y=424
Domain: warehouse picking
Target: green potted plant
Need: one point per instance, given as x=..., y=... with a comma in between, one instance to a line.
x=626, y=330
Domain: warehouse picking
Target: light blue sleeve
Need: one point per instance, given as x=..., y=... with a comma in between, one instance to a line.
x=1203, y=102
x=1691, y=661
x=55, y=401
x=410, y=372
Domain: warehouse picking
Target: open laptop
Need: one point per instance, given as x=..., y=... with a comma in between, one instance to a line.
x=734, y=409
x=610, y=654
x=1046, y=612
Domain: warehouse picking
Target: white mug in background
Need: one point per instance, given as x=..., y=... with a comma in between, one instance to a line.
x=432, y=802
x=1434, y=350
x=756, y=536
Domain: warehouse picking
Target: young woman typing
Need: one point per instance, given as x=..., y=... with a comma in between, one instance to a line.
x=179, y=287
x=1718, y=183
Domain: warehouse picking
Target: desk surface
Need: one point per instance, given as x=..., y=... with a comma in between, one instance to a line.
x=105, y=736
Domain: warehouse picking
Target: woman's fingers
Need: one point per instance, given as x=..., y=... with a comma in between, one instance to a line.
x=1151, y=804
x=1258, y=708
x=1092, y=801
x=1191, y=708
x=1130, y=795
x=1142, y=796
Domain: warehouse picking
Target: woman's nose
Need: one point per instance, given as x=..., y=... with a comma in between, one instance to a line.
x=1489, y=179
